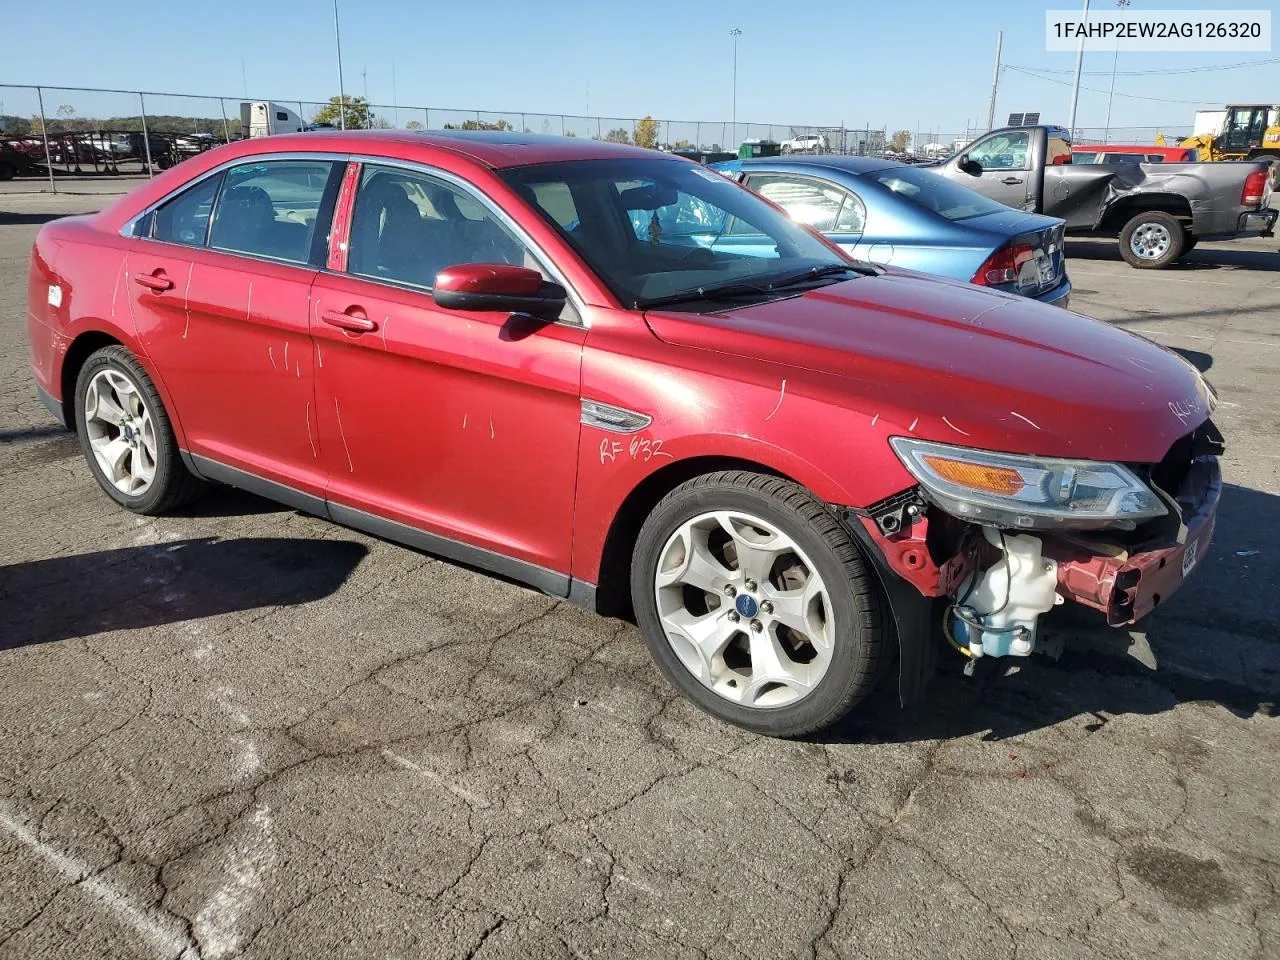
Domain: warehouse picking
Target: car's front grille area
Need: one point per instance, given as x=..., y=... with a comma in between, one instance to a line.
x=1171, y=472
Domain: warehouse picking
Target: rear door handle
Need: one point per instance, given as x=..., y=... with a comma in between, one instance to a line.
x=353, y=320
x=154, y=281
x=1011, y=180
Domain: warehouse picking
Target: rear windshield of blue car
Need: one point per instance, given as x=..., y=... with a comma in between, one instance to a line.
x=936, y=194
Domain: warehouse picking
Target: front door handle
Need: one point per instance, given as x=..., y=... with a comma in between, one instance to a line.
x=1011, y=180
x=154, y=281
x=353, y=320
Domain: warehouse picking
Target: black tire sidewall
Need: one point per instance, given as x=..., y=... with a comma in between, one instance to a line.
x=1171, y=223
x=167, y=459
x=847, y=669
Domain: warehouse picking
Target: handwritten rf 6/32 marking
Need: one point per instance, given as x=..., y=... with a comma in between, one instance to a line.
x=641, y=449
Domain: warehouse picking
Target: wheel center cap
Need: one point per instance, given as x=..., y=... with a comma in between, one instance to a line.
x=128, y=433
x=746, y=605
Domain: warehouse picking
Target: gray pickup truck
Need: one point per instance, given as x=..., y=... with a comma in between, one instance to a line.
x=1158, y=210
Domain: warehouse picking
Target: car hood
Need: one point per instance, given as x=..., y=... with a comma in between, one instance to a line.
x=955, y=363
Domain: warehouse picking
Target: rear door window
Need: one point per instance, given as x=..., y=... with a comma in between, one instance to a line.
x=810, y=202
x=185, y=218
x=278, y=209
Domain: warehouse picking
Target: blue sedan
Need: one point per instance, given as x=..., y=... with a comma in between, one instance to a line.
x=892, y=213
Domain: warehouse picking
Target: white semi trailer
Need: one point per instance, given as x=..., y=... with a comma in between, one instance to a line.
x=262, y=119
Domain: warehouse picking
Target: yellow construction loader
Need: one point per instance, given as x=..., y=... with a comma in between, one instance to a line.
x=1247, y=132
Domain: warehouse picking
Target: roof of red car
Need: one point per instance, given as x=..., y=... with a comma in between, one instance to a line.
x=494, y=148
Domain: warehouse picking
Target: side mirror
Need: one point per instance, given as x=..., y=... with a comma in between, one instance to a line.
x=500, y=287
x=971, y=167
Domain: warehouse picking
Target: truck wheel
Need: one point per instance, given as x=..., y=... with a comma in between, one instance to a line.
x=1151, y=240
x=755, y=603
x=6, y=171
x=786, y=148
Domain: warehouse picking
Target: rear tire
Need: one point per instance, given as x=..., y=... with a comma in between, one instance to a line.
x=126, y=436
x=787, y=560
x=1152, y=239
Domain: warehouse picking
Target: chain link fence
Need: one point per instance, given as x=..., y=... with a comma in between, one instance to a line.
x=61, y=134
x=1139, y=136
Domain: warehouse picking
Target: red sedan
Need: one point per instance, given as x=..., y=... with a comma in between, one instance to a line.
x=625, y=380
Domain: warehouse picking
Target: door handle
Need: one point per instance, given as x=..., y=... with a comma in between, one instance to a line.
x=1011, y=180
x=154, y=281
x=354, y=322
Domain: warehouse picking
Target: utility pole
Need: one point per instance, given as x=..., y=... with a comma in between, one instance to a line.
x=395, y=100
x=735, y=33
x=1075, y=86
x=995, y=82
x=342, y=93
x=1114, y=63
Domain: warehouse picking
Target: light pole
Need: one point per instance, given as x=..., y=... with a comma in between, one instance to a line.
x=1114, y=63
x=342, y=94
x=1075, y=87
x=735, y=33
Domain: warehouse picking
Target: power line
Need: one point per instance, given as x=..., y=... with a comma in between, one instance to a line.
x=1130, y=96
x=1149, y=73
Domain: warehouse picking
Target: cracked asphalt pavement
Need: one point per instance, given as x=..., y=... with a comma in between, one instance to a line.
x=240, y=731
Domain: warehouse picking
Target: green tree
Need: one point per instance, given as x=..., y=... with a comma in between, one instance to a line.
x=357, y=113
x=414, y=125
x=617, y=135
x=647, y=132
x=900, y=140
x=479, y=125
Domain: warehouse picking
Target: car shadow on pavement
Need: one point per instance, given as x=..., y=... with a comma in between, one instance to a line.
x=138, y=587
x=1201, y=258
x=8, y=217
x=1218, y=640
x=224, y=501
x=1198, y=359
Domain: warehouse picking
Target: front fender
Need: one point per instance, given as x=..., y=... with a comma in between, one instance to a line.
x=700, y=405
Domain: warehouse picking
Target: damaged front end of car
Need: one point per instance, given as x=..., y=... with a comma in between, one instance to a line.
x=987, y=544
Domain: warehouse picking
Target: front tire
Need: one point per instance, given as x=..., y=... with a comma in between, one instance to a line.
x=1152, y=239
x=756, y=604
x=126, y=436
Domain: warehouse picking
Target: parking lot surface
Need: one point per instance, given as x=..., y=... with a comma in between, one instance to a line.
x=244, y=732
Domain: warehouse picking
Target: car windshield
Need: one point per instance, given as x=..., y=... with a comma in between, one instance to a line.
x=662, y=229
x=936, y=194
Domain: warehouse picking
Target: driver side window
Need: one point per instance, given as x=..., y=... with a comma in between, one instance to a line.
x=1004, y=151
x=408, y=226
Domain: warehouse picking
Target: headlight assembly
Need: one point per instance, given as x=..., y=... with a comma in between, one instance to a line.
x=1028, y=492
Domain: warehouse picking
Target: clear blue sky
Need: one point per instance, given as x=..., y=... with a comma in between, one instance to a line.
x=910, y=63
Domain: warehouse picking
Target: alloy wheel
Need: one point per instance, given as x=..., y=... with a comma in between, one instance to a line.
x=121, y=432
x=744, y=609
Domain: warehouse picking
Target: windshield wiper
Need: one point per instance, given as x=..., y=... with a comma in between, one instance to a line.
x=731, y=291
x=815, y=273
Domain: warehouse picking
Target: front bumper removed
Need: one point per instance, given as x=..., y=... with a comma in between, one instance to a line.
x=927, y=559
x=1128, y=586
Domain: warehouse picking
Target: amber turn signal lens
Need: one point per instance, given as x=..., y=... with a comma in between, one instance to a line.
x=976, y=476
